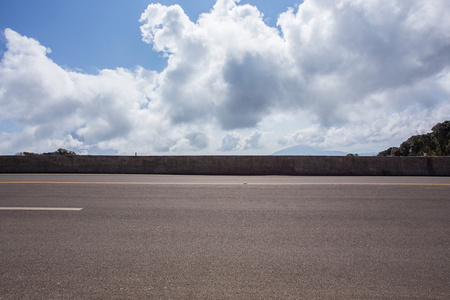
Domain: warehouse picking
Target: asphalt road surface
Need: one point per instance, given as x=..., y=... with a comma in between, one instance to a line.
x=216, y=237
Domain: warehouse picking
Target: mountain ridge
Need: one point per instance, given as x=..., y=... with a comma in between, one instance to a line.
x=311, y=151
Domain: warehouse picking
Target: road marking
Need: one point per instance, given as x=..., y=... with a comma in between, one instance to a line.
x=42, y=208
x=230, y=183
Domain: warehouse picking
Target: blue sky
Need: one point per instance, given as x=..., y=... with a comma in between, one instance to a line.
x=220, y=77
x=94, y=35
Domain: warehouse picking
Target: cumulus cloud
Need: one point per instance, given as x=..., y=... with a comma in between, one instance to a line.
x=235, y=141
x=342, y=75
x=332, y=59
x=230, y=142
x=52, y=103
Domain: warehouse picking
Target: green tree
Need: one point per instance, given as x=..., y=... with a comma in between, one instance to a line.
x=392, y=151
x=441, y=134
x=29, y=153
x=419, y=145
x=435, y=143
x=60, y=151
x=351, y=154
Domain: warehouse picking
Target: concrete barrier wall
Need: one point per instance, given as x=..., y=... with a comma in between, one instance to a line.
x=229, y=165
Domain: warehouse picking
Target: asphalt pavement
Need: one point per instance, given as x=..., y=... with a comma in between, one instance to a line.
x=223, y=237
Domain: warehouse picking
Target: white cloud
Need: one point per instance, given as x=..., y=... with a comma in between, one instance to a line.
x=51, y=103
x=341, y=75
x=231, y=142
x=238, y=142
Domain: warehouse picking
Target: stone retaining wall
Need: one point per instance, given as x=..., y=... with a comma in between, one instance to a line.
x=229, y=165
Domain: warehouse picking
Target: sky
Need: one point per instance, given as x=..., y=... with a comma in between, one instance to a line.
x=220, y=77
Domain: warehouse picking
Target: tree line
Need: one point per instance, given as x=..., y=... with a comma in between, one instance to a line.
x=435, y=143
x=60, y=151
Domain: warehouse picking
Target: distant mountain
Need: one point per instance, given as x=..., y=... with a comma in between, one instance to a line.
x=307, y=150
